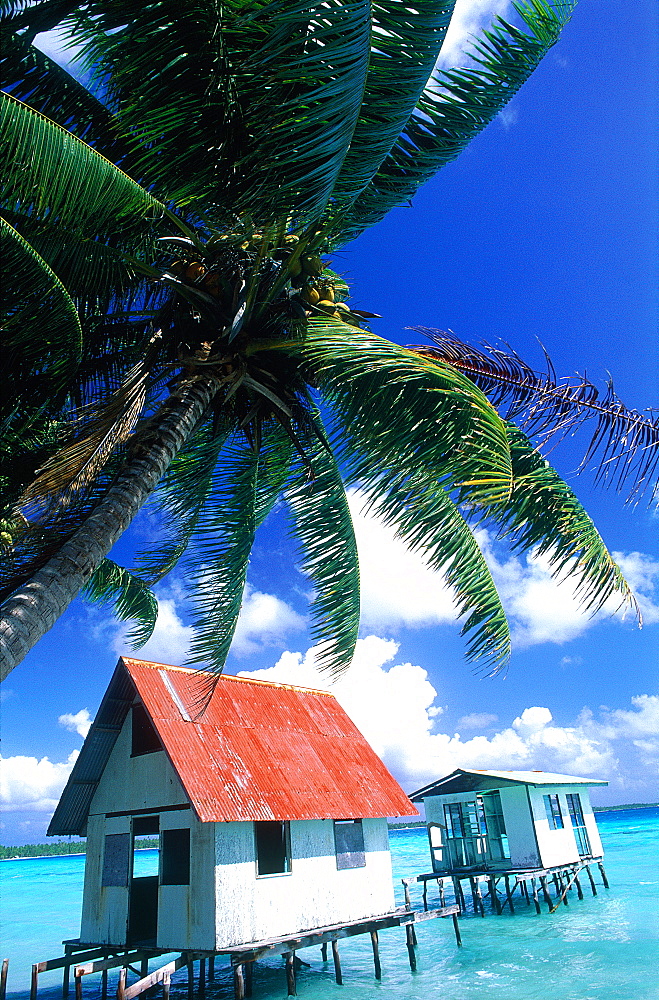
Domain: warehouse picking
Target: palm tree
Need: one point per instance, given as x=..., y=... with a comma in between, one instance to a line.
x=174, y=329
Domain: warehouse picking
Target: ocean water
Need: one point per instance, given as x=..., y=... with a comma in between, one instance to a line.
x=601, y=948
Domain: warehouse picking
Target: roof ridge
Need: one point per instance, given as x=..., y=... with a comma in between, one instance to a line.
x=226, y=677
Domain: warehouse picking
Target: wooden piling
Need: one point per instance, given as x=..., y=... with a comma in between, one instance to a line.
x=578, y=885
x=376, y=954
x=3, y=978
x=249, y=970
x=410, y=946
x=545, y=891
x=323, y=951
x=290, y=973
x=603, y=874
x=202, y=977
x=239, y=982
x=534, y=887
x=190, y=966
x=506, y=879
x=442, y=896
x=592, y=880
x=121, y=985
x=166, y=983
x=494, y=895
x=211, y=969
x=337, y=962
x=456, y=928
x=104, y=984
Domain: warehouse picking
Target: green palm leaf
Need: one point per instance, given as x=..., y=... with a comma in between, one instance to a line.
x=324, y=528
x=130, y=596
x=457, y=105
x=545, y=514
x=430, y=523
x=399, y=412
x=49, y=173
x=48, y=350
x=405, y=44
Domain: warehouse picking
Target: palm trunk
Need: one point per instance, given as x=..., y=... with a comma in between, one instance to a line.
x=36, y=606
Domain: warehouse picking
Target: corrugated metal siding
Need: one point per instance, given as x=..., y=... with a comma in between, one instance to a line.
x=266, y=751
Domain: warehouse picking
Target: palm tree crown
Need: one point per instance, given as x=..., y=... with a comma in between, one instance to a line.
x=168, y=225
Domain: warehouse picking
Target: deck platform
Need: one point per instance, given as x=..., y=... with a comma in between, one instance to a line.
x=563, y=878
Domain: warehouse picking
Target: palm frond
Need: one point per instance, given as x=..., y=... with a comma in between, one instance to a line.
x=430, y=523
x=267, y=96
x=323, y=526
x=48, y=88
x=48, y=350
x=624, y=443
x=50, y=173
x=405, y=44
x=130, y=596
x=457, y=105
x=179, y=499
x=544, y=514
x=399, y=411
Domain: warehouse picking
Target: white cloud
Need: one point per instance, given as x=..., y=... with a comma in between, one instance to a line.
x=477, y=720
x=394, y=705
x=79, y=723
x=170, y=642
x=264, y=621
x=32, y=785
x=398, y=589
x=469, y=17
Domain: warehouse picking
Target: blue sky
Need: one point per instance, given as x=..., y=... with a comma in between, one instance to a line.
x=545, y=228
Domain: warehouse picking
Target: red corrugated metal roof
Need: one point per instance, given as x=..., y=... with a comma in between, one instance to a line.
x=260, y=751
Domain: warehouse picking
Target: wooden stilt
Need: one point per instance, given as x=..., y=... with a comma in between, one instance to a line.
x=410, y=946
x=337, y=962
x=578, y=885
x=479, y=896
x=535, y=896
x=456, y=928
x=166, y=982
x=190, y=966
x=66, y=975
x=202, y=977
x=34, y=979
x=104, y=984
x=494, y=895
x=323, y=951
x=425, y=894
x=592, y=880
x=442, y=896
x=290, y=973
x=545, y=891
x=3, y=978
x=603, y=874
x=239, y=982
x=121, y=985
x=525, y=889
x=376, y=954
x=249, y=972
x=565, y=889
x=508, y=893
x=474, y=900
x=211, y=968
x=144, y=968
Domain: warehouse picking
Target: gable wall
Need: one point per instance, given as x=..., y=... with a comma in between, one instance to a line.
x=558, y=847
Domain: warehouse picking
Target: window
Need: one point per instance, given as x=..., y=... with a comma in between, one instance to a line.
x=116, y=859
x=175, y=857
x=553, y=810
x=349, y=843
x=144, y=737
x=273, y=848
x=453, y=820
x=578, y=823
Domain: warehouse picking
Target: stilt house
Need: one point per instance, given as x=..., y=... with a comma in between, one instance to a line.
x=509, y=820
x=268, y=805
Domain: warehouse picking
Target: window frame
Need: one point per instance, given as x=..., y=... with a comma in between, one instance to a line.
x=346, y=860
x=175, y=874
x=554, y=812
x=288, y=857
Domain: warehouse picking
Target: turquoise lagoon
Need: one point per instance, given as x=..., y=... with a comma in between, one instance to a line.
x=602, y=948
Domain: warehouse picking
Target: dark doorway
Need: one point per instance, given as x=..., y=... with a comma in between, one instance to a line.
x=143, y=900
